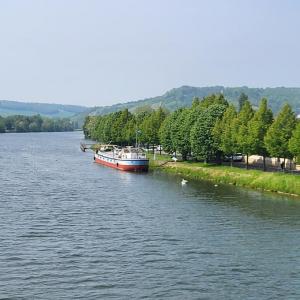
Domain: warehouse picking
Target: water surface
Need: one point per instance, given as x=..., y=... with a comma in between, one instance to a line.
x=71, y=229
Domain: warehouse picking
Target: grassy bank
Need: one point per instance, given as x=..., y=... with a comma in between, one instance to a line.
x=275, y=182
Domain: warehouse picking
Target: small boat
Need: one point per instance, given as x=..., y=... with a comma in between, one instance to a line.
x=126, y=159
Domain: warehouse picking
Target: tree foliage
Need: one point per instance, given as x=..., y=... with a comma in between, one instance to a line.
x=208, y=130
x=203, y=143
x=280, y=132
x=224, y=131
x=36, y=123
x=294, y=142
x=258, y=127
x=242, y=100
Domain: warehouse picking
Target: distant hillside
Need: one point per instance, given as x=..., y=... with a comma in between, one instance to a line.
x=8, y=108
x=183, y=96
x=173, y=99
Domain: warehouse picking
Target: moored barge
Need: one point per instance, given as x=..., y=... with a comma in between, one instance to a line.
x=126, y=159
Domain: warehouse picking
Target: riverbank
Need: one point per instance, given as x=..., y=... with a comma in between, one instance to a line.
x=256, y=179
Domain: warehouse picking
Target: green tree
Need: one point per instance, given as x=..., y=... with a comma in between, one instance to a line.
x=280, y=132
x=212, y=100
x=2, y=125
x=242, y=100
x=294, y=142
x=48, y=125
x=258, y=127
x=180, y=134
x=242, y=133
x=202, y=139
x=151, y=125
x=224, y=132
x=166, y=132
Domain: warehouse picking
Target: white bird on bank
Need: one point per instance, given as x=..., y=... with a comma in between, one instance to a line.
x=216, y=185
x=183, y=182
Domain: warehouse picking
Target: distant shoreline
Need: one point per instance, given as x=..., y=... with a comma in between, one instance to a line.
x=13, y=131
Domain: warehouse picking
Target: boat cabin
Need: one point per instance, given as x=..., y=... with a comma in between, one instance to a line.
x=131, y=153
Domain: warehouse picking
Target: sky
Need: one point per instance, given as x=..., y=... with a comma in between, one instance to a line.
x=96, y=52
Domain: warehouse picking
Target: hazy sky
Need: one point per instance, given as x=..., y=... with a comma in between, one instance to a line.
x=103, y=52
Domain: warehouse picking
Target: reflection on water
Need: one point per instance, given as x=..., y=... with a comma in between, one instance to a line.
x=73, y=229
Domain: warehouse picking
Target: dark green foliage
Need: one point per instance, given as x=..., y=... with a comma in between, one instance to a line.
x=224, y=131
x=242, y=129
x=242, y=100
x=294, y=143
x=165, y=134
x=181, y=132
x=123, y=127
x=280, y=132
x=213, y=99
x=36, y=124
x=2, y=125
x=258, y=127
x=208, y=130
x=151, y=125
x=203, y=143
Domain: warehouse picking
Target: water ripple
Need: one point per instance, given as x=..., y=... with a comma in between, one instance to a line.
x=71, y=229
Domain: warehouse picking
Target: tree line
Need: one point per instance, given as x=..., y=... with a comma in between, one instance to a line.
x=36, y=123
x=209, y=130
x=124, y=127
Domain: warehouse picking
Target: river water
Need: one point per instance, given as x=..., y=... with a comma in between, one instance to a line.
x=72, y=229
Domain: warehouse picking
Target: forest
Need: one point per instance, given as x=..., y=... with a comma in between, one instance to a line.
x=209, y=130
x=36, y=123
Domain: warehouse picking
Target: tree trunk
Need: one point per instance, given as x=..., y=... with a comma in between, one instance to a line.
x=264, y=160
x=218, y=158
x=247, y=161
x=284, y=164
x=160, y=150
x=153, y=148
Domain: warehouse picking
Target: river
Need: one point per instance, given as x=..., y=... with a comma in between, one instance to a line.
x=72, y=229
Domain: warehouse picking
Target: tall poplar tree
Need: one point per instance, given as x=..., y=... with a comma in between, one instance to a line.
x=165, y=132
x=202, y=139
x=280, y=132
x=242, y=133
x=242, y=100
x=258, y=127
x=224, y=132
x=181, y=133
x=294, y=142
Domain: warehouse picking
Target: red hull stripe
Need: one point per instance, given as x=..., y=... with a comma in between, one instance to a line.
x=122, y=167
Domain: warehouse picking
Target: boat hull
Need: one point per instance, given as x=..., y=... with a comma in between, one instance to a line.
x=133, y=165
